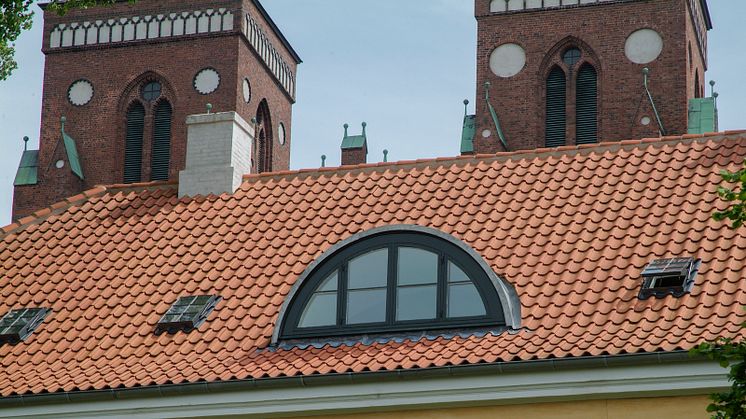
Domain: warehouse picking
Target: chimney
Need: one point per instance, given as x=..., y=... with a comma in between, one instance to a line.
x=355, y=147
x=218, y=153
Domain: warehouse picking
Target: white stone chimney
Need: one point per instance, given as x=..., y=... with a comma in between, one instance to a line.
x=218, y=154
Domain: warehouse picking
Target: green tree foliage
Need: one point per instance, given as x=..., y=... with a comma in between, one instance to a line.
x=16, y=16
x=728, y=352
x=736, y=197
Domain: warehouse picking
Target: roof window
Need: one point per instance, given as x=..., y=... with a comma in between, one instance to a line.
x=18, y=324
x=187, y=314
x=673, y=276
x=394, y=282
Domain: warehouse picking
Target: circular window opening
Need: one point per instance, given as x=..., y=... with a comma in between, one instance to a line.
x=59, y=164
x=246, y=90
x=507, y=60
x=151, y=91
x=80, y=92
x=281, y=134
x=206, y=81
x=571, y=56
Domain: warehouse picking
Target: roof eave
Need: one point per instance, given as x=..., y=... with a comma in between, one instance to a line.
x=183, y=389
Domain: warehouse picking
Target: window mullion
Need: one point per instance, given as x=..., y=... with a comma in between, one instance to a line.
x=342, y=295
x=442, y=287
x=391, y=286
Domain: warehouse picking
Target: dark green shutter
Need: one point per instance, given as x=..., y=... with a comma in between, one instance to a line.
x=133, y=144
x=587, y=106
x=161, y=142
x=556, y=115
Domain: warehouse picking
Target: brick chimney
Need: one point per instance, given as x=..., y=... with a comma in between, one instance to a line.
x=218, y=153
x=355, y=147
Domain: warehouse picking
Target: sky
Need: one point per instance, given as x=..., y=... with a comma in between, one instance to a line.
x=402, y=66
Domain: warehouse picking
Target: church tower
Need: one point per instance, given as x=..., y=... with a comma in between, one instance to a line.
x=120, y=81
x=569, y=72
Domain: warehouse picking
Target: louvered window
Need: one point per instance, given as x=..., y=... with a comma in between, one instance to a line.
x=133, y=144
x=587, y=106
x=556, y=118
x=161, y=141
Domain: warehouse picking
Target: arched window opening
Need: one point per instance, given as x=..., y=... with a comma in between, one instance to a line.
x=161, y=141
x=133, y=143
x=395, y=281
x=586, y=105
x=697, y=87
x=556, y=112
x=263, y=143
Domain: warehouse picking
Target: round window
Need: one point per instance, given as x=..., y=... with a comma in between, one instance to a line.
x=281, y=134
x=507, y=60
x=80, y=92
x=207, y=81
x=643, y=46
x=246, y=90
x=571, y=56
x=151, y=91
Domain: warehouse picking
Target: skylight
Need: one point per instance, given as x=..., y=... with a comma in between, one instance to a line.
x=18, y=324
x=187, y=314
x=673, y=276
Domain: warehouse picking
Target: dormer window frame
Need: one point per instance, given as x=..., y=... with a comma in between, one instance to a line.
x=502, y=309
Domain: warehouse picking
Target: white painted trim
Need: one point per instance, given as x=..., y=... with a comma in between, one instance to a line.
x=681, y=378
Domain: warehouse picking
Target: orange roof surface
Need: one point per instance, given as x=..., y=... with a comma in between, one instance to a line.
x=570, y=228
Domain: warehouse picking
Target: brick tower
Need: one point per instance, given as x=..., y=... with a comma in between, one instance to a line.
x=566, y=72
x=125, y=77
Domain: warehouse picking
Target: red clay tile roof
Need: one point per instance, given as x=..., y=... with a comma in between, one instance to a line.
x=571, y=229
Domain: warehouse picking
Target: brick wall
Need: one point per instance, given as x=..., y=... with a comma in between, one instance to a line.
x=118, y=71
x=600, y=31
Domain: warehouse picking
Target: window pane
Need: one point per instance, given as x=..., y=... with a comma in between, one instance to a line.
x=417, y=266
x=369, y=270
x=320, y=311
x=455, y=274
x=464, y=301
x=416, y=303
x=329, y=284
x=367, y=306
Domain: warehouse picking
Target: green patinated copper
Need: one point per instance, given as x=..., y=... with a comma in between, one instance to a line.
x=28, y=169
x=354, y=141
x=703, y=116
x=467, y=134
x=72, y=155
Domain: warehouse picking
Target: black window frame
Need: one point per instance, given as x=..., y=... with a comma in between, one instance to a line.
x=339, y=262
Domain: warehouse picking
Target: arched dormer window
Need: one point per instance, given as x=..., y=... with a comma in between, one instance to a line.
x=394, y=280
x=135, y=127
x=161, y=141
x=586, y=106
x=556, y=108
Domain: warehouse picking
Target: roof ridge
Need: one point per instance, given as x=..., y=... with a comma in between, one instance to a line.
x=503, y=154
x=60, y=206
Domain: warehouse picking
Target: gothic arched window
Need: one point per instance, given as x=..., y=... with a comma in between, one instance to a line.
x=263, y=142
x=393, y=281
x=135, y=126
x=161, y=141
x=556, y=108
x=586, y=106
